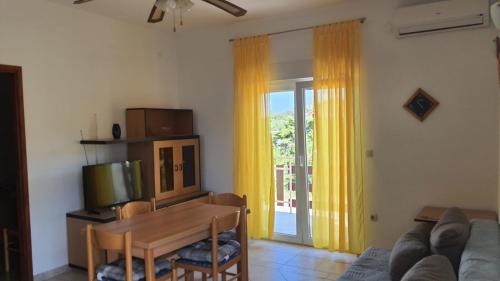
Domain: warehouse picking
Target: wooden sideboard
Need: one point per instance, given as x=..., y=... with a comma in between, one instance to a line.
x=78, y=220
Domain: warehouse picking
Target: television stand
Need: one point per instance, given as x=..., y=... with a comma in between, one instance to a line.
x=100, y=211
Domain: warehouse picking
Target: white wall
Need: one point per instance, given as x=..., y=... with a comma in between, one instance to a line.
x=76, y=64
x=451, y=159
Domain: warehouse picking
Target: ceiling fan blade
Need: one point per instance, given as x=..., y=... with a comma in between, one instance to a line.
x=81, y=1
x=228, y=7
x=157, y=12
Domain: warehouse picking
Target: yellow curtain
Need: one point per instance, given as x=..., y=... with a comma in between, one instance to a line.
x=253, y=161
x=337, y=197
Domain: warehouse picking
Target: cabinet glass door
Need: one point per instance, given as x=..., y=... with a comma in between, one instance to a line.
x=190, y=168
x=165, y=169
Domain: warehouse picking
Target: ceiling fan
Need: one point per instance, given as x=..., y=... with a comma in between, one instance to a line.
x=179, y=6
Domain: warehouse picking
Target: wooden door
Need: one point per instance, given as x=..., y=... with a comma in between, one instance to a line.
x=22, y=194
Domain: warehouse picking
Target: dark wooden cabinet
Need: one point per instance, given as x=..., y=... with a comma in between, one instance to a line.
x=155, y=122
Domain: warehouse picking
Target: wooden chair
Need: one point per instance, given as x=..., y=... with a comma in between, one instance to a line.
x=133, y=209
x=227, y=199
x=113, y=242
x=230, y=199
x=218, y=225
x=9, y=245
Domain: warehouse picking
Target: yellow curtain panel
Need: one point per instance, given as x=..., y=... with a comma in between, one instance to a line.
x=337, y=197
x=253, y=162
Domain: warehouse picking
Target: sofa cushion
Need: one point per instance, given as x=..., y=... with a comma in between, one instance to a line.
x=372, y=265
x=410, y=249
x=432, y=268
x=449, y=235
x=481, y=256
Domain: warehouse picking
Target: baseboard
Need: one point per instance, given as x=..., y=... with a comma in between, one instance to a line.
x=51, y=273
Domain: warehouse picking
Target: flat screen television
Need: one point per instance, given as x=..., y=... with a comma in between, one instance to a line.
x=108, y=185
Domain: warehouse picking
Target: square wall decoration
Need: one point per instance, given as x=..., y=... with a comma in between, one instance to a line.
x=421, y=105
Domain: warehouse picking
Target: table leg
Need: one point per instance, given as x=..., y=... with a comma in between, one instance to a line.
x=149, y=265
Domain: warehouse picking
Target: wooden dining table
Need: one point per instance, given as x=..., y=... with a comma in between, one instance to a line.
x=169, y=229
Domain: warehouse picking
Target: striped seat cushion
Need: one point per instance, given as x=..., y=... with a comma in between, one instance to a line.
x=227, y=235
x=116, y=271
x=201, y=252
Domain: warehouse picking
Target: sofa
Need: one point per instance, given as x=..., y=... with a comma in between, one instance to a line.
x=479, y=259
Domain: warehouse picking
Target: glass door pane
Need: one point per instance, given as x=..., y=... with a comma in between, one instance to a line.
x=188, y=166
x=309, y=137
x=166, y=169
x=282, y=104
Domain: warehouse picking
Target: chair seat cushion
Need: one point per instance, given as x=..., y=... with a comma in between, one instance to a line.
x=227, y=235
x=202, y=252
x=205, y=264
x=116, y=271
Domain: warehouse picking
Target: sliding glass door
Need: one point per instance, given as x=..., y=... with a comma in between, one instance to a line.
x=292, y=124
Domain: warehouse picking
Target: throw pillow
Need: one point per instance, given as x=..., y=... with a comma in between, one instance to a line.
x=433, y=268
x=449, y=235
x=409, y=249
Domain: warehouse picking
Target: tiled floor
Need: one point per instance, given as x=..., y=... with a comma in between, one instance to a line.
x=271, y=261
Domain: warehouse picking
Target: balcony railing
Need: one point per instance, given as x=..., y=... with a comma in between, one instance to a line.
x=286, y=199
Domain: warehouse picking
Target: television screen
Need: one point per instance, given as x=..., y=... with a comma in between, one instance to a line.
x=107, y=185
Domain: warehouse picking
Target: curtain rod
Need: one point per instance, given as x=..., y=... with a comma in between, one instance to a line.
x=362, y=20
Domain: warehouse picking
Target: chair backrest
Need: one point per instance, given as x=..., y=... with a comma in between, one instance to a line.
x=220, y=225
x=225, y=223
x=228, y=199
x=108, y=241
x=133, y=209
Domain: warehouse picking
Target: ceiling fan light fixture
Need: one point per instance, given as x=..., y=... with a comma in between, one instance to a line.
x=172, y=7
x=185, y=5
x=172, y=4
x=161, y=4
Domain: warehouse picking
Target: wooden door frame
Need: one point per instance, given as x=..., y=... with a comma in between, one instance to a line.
x=23, y=210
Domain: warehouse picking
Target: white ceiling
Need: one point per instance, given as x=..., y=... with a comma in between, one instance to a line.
x=202, y=14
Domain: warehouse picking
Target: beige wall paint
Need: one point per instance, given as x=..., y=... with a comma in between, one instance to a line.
x=451, y=159
x=76, y=64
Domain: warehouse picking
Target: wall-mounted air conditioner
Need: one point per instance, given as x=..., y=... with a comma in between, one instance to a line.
x=441, y=17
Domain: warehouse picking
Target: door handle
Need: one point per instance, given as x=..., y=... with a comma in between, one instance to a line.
x=176, y=167
x=181, y=166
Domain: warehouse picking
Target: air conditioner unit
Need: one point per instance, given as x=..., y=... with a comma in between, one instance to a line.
x=441, y=17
